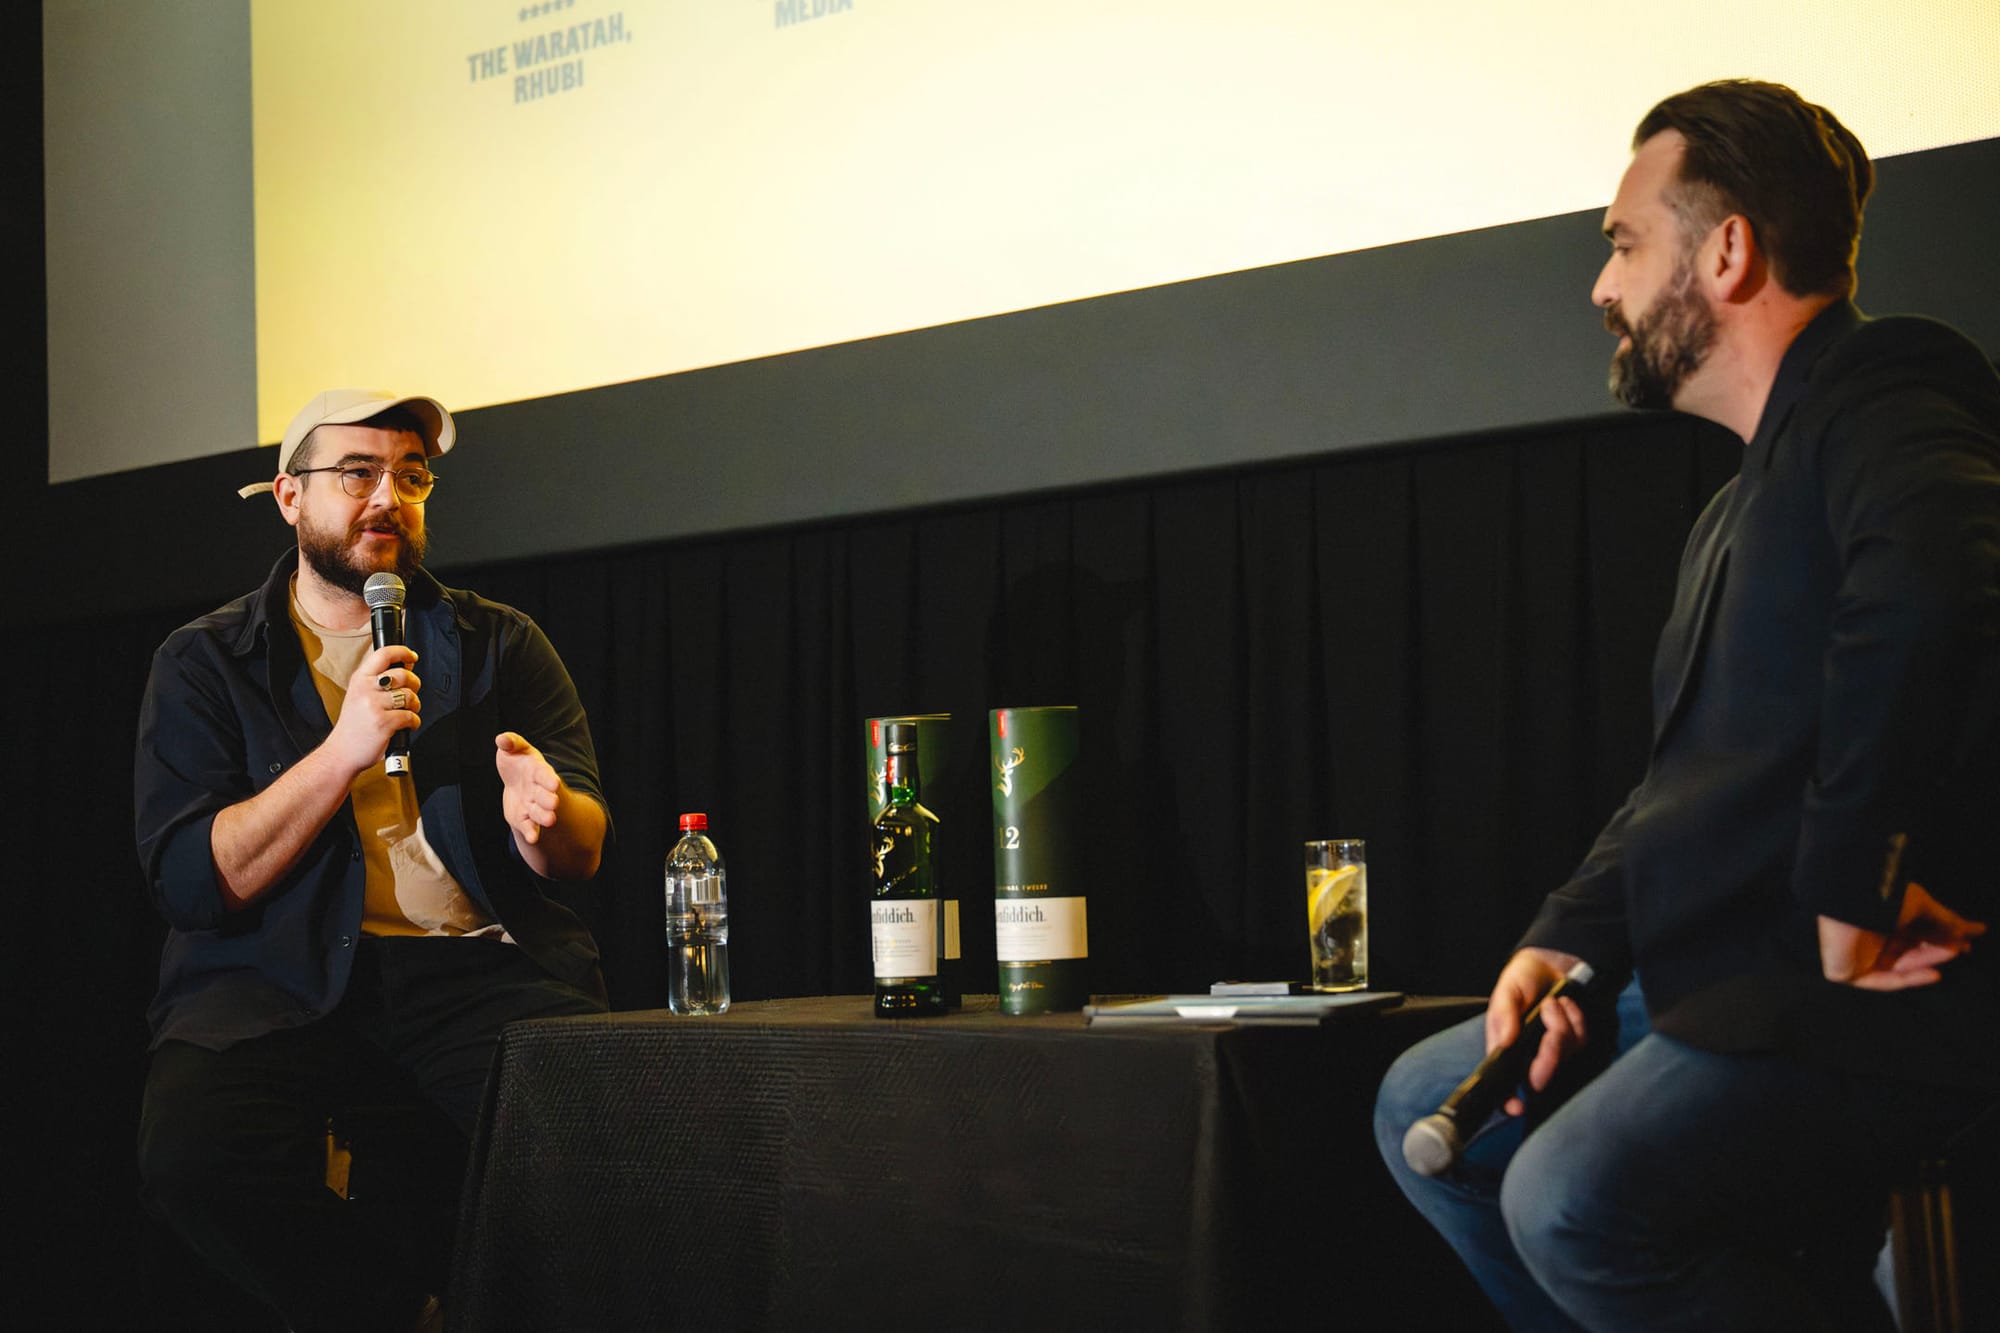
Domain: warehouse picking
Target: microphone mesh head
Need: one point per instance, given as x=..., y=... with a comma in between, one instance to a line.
x=1432, y=1145
x=384, y=589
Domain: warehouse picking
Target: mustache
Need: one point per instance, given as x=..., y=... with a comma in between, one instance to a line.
x=1614, y=322
x=379, y=523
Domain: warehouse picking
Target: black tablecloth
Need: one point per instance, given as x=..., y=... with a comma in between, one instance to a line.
x=801, y=1164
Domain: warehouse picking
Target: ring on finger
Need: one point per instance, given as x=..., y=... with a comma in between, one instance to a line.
x=399, y=699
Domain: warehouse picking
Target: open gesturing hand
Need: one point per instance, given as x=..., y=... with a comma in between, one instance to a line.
x=530, y=790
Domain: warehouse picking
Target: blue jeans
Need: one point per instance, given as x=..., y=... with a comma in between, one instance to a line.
x=1679, y=1189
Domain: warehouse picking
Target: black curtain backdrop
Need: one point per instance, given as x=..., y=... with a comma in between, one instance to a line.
x=1440, y=648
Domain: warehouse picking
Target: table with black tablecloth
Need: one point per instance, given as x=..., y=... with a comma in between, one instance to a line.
x=801, y=1164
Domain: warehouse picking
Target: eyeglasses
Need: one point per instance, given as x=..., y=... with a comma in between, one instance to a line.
x=413, y=485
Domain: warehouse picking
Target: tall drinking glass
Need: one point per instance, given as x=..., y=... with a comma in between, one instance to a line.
x=1337, y=912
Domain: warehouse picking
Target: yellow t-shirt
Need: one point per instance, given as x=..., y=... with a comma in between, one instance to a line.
x=409, y=892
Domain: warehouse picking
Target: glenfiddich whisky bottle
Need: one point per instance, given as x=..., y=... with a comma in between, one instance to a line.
x=934, y=743
x=903, y=911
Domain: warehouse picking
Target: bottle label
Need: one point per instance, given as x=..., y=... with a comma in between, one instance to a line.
x=703, y=888
x=904, y=931
x=1037, y=929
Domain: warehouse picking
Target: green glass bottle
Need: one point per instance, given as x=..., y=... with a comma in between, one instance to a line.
x=903, y=909
x=934, y=742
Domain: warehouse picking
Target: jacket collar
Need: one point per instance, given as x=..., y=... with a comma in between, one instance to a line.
x=1795, y=370
x=272, y=601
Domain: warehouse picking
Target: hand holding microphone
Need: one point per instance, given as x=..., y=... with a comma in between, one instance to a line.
x=384, y=594
x=1434, y=1143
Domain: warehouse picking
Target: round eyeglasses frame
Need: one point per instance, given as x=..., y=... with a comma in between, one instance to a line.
x=412, y=485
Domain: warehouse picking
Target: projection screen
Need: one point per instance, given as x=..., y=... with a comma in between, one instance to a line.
x=501, y=202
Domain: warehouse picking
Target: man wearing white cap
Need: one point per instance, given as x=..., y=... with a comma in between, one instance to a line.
x=343, y=931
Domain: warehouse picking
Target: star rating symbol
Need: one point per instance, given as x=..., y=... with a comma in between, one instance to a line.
x=544, y=8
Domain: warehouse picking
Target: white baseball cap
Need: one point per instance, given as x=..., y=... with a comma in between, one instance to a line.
x=343, y=407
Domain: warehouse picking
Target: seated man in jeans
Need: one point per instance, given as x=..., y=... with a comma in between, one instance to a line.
x=1784, y=909
x=340, y=925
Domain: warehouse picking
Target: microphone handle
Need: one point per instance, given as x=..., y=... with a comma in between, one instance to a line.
x=385, y=624
x=1496, y=1076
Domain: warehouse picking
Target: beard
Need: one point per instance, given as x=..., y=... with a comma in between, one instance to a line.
x=332, y=555
x=1669, y=343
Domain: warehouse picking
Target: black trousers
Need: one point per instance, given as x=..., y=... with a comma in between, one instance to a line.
x=232, y=1143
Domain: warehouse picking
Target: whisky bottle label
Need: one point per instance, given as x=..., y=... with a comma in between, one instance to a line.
x=1031, y=929
x=904, y=932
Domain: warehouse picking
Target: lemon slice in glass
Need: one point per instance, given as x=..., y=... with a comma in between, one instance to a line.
x=1324, y=890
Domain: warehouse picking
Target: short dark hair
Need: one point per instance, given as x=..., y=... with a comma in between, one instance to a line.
x=389, y=418
x=1790, y=167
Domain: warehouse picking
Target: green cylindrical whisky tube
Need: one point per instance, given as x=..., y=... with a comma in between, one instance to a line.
x=1038, y=895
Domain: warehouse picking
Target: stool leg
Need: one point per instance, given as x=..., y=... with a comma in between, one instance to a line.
x=338, y=1162
x=1926, y=1254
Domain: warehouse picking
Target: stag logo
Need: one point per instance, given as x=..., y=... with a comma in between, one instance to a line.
x=880, y=851
x=880, y=780
x=1007, y=767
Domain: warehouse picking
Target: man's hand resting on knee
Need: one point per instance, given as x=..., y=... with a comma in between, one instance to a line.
x=1927, y=936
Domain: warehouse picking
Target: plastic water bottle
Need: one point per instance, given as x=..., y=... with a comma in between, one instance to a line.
x=697, y=923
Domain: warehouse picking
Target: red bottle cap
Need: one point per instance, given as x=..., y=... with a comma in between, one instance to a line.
x=695, y=821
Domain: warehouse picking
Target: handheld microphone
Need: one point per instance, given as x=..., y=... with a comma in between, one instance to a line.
x=384, y=595
x=1434, y=1143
